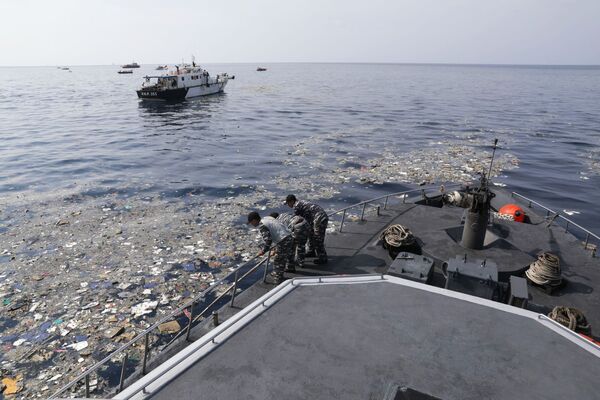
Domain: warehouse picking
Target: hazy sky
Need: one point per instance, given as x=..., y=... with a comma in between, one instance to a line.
x=69, y=32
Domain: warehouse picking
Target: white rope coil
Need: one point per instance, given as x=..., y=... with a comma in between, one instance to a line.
x=572, y=318
x=545, y=271
x=397, y=236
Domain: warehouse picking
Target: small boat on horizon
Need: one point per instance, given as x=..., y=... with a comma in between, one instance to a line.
x=132, y=65
x=261, y=69
x=125, y=71
x=162, y=67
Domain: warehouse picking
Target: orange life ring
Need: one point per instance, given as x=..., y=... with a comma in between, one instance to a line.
x=514, y=210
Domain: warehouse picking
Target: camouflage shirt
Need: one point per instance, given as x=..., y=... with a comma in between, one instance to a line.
x=307, y=210
x=290, y=220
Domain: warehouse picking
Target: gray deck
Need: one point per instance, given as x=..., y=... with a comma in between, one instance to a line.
x=351, y=341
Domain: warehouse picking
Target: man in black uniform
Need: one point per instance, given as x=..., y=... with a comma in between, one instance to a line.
x=318, y=220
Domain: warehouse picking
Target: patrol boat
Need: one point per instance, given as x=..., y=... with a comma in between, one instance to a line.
x=429, y=293
x=184, y=82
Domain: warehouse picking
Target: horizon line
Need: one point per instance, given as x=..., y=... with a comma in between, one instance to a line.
x=325, y=62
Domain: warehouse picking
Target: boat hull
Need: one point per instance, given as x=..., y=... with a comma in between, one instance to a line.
x=181, y=93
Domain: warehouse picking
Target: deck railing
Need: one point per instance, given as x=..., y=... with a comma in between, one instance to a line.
x=553, y=216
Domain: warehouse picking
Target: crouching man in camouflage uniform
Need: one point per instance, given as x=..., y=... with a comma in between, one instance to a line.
x=300, y=232
x=317, y=220
x=274, y=232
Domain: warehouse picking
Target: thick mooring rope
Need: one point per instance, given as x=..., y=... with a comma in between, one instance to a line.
x=397, y=235
x=572, y=318
x=545, y=271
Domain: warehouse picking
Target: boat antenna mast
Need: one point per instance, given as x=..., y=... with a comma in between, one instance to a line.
x=487, y=177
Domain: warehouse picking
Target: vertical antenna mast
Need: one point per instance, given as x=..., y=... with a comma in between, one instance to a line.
x=492, y=160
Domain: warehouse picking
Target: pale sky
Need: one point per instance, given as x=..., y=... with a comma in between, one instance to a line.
x=71, y=32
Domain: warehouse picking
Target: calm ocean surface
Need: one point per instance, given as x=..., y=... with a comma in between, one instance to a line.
x=86, y=130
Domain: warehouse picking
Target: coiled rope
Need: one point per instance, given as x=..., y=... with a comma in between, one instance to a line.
x=397, y=236
x=572, y=318
x=545, y=271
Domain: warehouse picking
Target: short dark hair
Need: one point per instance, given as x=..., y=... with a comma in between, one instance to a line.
x=253, y=216
x=290, y=198
x=274, y=214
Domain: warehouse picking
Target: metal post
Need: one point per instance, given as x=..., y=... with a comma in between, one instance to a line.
x=122, y=379
x=234, y=288
x=362, y=214
x=587, y=239
x=385, y=202
x=343, y=218
x=189, y=327
x=529, y=205
x=404, y=198
x=146, y=345
x=267, y=267
x=87, y=386
x=215, y=316
x=567, y=227
x=423, y=194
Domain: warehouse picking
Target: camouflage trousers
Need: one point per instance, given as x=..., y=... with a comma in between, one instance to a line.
x=300, y=233
x=284, y=255
x=317, y=235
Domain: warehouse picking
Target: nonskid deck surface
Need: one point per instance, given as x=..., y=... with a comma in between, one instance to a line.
x=352, y=341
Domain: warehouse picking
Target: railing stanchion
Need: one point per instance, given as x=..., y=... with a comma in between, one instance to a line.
x=378, y=209
x=587, y=239
x=385, y=202
x=567, y=227
x=87, y=386
x=404, y=198
x=122, y=378
x=215, y=316
x=529, y=204
x=146, y=349
x=235, y=283
x=362, y=214
x=343, y=218
x=267, y=267
x=189, y=326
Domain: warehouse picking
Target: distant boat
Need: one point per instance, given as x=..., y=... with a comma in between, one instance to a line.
x=65, y=68
x=184, y=82
x=162, y=67
x=260, y=69
x=125, y=71
x=132, y=65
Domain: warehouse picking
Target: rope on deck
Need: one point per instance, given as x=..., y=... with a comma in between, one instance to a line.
x=545, y=271
x=572, y=318
x=397, y=235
